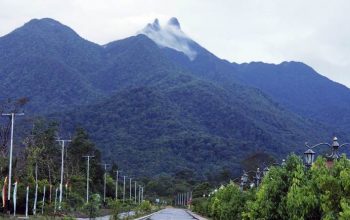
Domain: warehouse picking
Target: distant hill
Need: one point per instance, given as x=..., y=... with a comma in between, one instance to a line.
x=158, y=102
x=300, y=89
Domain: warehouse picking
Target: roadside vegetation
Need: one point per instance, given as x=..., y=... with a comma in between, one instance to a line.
x=291, y=191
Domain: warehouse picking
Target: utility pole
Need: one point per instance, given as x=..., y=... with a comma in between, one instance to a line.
x=130, y=188
x=142, y=194
x=42, y=206
x=27, y=195
x=36, y=189
x=104, y=182
x=139, y=194
x=182, y=199
x=55, y=199
x=12, y=115
x=124, y=190
x=135, y=192
x=62, y=170
x=14, y=198
x=116, y=184
x=87, y=176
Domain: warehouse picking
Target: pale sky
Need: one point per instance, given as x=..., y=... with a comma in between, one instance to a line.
x=316, y=32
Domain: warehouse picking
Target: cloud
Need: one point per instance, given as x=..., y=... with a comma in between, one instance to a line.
x=170, y=36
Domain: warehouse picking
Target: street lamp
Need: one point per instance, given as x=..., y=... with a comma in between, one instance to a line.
x=265, y=171
x=283, y=162
x=258, y=176
x=310, y=155
x=244, y=180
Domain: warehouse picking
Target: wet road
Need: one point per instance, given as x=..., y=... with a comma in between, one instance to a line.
x=171, y=214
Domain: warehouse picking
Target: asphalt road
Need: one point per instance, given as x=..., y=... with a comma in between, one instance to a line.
x=171, y=214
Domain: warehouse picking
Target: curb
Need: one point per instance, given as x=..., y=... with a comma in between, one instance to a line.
x=147, y=216
x=195, y=216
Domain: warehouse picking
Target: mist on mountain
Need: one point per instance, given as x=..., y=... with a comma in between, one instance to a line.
x=171, y=36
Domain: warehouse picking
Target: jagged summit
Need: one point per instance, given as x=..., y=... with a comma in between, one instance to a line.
x=154, y=26
x=174, y=22
x=170, y=35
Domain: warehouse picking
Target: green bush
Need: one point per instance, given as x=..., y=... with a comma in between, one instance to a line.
x=201, y=205
x=286, y=192
x=145, y=207
x=115, y=206
x=93, y=207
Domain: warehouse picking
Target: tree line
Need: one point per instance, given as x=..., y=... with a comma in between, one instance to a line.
x=291, y=191
x=36, y=170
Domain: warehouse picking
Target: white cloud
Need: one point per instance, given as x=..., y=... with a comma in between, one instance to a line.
x=170, y=35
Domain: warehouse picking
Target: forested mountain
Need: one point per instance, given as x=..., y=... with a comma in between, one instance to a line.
x=48, y=63
x=158, y=102
x=301, y=89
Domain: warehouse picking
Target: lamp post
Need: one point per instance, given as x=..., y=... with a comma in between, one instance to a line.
x=309, y=155
x=244, y=180
x=265, y=171
x=257, y=176
x=283, y=162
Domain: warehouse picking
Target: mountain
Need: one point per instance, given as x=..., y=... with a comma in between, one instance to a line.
x=170, y=128
x=48, y=62
x=157, y=102
x=301, y=89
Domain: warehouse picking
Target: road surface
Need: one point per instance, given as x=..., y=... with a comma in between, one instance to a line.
x=171, y=214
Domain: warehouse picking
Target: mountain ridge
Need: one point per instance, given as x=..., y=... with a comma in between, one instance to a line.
x=137, y=97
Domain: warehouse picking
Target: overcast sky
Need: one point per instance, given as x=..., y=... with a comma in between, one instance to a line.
x=316, y=32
